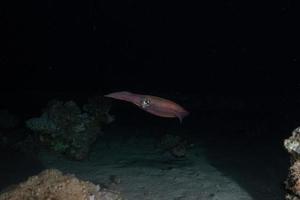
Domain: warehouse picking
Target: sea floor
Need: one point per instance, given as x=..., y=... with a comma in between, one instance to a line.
x=212, y=169
x=127, y=158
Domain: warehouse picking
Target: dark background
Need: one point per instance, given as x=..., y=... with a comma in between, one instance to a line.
x=221, y=47
x=209, y=57
x=247, y=51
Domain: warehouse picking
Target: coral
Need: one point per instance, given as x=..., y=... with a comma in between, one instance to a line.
x=67, y=129
x=292, y=144
x=53, y=185
x=292, y=184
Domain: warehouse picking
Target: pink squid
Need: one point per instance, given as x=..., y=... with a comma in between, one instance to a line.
x=155, y=105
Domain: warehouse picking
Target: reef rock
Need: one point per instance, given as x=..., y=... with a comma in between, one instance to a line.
x=52, y=184
x=292, y=144
x=292, y=184
x=66, y=128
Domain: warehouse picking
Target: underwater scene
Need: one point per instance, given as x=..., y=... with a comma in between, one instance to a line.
x=145, y=100
x=91, y=146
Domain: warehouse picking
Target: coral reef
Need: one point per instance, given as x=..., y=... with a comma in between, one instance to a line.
x=52, y=184
x=66, y=128
x=292, y=184
x=292, y=144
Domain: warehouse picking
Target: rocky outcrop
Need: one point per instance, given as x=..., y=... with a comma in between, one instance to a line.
x=53, y=184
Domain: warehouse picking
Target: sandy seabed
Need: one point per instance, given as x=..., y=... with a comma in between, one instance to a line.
x=134, y=166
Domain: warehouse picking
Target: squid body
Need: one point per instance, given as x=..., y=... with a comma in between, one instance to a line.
x=155, y=105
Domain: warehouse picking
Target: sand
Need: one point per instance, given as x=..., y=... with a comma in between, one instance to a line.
x=134, y=166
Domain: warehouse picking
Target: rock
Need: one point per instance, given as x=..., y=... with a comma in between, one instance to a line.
x=52, y=184
x=292, y=184
x=67, y=129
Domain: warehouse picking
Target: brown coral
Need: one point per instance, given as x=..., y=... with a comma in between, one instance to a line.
x=51, y=184
x=292, y=145
x=294, y=177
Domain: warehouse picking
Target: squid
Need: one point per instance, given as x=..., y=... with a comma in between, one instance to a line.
x=152, y=104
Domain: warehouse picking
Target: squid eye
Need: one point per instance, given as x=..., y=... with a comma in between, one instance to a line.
x=145, y=102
